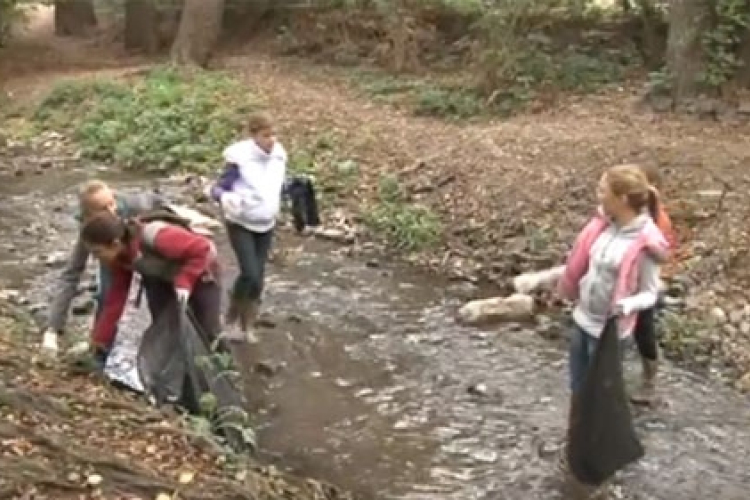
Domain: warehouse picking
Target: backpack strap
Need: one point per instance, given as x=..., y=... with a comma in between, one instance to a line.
x=149, y=230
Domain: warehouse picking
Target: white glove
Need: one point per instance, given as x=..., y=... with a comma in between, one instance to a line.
x=525, y=283
x=231, y=202
x=623, y=307
x=183, y=295
x=49, y=342
x=528, y=282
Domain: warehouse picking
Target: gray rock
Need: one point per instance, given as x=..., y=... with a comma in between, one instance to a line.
x=718, y=315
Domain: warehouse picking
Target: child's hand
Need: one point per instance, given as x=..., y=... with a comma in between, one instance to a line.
x=525, y=283
x=528, y=282
x=231, y=203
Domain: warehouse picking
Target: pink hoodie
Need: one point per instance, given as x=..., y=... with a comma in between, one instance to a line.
x=650, y=240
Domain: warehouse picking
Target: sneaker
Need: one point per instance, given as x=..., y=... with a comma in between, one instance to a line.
x=49, y=343
x=79, y=348
x=237, y=335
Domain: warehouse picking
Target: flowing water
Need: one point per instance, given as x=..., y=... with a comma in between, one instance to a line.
x=380, y=391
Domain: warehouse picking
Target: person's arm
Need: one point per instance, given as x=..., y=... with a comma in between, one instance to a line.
x=664, y=223
x=225, y=181
x=68, y=283
x=528, y=282
x=143, y=202
x=194, y=251
x=114, y=304
x=648, y=287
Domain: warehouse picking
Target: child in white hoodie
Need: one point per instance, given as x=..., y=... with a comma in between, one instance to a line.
x=249, y=192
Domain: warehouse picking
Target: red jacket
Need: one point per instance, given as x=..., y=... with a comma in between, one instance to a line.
x=196, y=253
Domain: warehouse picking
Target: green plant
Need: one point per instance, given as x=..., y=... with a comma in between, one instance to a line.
x=448, y=103
x=410, y=227
x=720, y=44
x=12, y=12
x=214, y=419
x=165, y=120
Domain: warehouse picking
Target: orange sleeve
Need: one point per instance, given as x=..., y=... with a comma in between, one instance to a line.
x=664, y=223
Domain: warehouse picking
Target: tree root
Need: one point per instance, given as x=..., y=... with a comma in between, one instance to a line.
x=57, y=433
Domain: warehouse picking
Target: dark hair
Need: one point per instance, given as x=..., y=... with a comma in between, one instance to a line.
x=104, y=228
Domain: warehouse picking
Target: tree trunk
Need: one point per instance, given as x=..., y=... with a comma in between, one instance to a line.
x=74, y=17
x=743, y=53
x=653, y=34
x=141, y=26
x=688, y=20
x=198, y=33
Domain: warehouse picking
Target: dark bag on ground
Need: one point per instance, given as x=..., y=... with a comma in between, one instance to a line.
x=177, y=365
x=304, y=203
x=602, y=439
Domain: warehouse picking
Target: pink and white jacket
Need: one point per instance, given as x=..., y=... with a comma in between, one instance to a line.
x=612, y=266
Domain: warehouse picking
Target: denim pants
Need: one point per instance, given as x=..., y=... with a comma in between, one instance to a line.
x=251, y=250
x=581, y=355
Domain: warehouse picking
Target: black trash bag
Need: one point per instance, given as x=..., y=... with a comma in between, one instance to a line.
x=177, y=365
x=602, y=439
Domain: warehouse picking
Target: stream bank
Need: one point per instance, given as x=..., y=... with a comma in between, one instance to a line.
x=378, y=389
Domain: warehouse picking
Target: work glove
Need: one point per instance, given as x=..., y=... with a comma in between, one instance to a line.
x=183, y=295
x=525, y=283
x=231, y=203
x=49, y=343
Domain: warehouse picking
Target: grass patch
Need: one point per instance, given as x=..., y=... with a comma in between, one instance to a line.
x=423, y=97
x=409, y=227
x=530, y=77
x=163, y=121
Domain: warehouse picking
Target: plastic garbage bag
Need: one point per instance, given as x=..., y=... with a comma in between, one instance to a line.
x=602, y=439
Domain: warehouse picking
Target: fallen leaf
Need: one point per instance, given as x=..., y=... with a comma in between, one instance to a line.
x=186, y=477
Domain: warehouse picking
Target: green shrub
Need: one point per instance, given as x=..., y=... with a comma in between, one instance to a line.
x=410, y=227
x=165, y=120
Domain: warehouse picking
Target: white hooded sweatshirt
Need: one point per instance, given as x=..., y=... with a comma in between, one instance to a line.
x=256, y=194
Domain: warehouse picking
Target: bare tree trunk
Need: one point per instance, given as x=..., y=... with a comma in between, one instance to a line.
x=141, y=26
x=743, y=74
x=74, y=17
x=200, y=27
x=688, y=20
x=653, y=34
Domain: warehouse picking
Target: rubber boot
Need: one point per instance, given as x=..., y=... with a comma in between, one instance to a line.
x=249, y=310
x=646, y=394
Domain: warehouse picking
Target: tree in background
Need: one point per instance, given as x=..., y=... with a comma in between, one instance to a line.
x=200, y=27
x=74, y=17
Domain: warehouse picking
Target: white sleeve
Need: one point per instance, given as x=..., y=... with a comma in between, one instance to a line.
x=648, y=287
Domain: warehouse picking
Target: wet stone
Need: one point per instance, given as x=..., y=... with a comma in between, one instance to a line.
x=463, y=289
x=56, y=259
x=477, y=389
x=719, y=315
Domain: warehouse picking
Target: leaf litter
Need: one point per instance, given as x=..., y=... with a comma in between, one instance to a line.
x=66, y=436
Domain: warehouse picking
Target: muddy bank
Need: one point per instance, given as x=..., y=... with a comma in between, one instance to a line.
x=377, y=389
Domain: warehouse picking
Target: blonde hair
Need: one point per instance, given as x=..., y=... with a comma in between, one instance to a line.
x=652, y=174
x=631, y=182
x=87, y=192
x=258, y=122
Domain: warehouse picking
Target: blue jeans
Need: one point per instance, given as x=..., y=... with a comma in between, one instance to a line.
x=251, y=250
x=581, y=355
